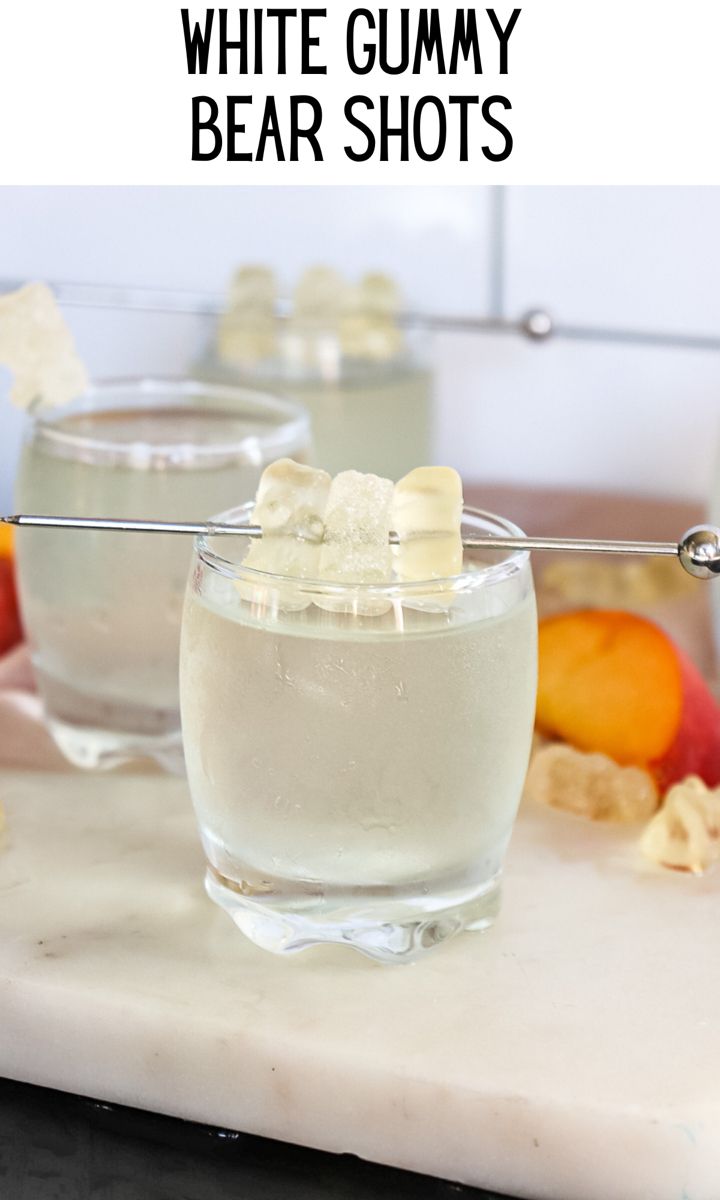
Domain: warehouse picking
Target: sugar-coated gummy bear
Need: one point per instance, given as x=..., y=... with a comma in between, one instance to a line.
x=356, y=548
x=590, y=785
x=39, y=349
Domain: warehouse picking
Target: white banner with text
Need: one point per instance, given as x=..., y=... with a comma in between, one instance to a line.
x=542, y=91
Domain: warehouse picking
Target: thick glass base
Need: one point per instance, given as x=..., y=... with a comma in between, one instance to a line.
x=104, y=749
x=383, y=923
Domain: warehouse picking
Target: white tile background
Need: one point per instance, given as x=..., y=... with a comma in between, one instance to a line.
x=565, y=412
x=643, y=258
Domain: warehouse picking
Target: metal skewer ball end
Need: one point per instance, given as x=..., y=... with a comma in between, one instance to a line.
x=699, y=551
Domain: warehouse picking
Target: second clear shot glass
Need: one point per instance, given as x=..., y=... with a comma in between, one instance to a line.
x=102, y=609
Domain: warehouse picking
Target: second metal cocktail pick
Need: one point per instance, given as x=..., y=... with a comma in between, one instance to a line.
x=698, y=549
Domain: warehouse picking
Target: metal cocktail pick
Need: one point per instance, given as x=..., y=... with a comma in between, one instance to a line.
x=698, y=550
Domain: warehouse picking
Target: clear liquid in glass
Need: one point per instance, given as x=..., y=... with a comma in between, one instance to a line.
x=103, y=610
x=354, y=780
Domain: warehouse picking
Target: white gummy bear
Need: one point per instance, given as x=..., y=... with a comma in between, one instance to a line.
x=369, y=328
x=290, y=508
x=427, y=516
x=357, y=530
x=38, y=347
x=357, y=540
x=380, y=294
x=246, y=332
x=309, y=339
x=589, y=785
x=319, y=296
x=252, y=289
x=685, y=833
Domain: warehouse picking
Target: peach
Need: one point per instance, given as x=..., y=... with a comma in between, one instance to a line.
x=10, y=627
x=615, y=683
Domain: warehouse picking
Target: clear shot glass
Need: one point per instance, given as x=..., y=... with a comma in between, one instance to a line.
x=356, y=754
x=102, y=610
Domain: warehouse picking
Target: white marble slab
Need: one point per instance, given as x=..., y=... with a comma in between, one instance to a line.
x=572, y=1052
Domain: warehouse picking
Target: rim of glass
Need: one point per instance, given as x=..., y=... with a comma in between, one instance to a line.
x=163, y=391
x=512, y=563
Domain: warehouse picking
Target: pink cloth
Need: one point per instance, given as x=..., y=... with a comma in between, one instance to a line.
x=24, y=740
